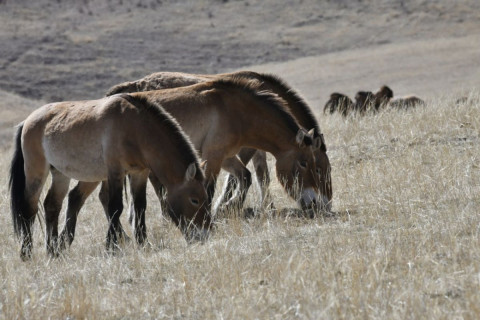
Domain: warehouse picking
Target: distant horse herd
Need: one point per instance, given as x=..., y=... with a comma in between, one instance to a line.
x=177, y=131
x=369, y=102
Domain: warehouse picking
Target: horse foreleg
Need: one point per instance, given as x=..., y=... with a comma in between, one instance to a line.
x=76, y=199
x=115, y=208
x=53, y=204
x=263, y=177
x=138, y=189
x=160, y=191
x=231, y=184
x=243, y=176
x=104, y=197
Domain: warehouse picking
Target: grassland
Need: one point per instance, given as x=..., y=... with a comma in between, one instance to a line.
x=403, y=242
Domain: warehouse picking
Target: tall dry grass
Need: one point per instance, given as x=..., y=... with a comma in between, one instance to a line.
x=403, y=244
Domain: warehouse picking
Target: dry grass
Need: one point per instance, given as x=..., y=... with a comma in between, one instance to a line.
x=404, y=243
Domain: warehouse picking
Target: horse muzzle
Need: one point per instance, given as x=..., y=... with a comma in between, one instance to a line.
x=309, y=199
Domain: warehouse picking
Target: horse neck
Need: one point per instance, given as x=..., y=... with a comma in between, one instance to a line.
x=265, y=130
x=164, y=157
x=295, y=104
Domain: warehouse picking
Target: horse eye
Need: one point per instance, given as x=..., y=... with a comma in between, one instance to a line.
x=195, y=202
x=303, y=164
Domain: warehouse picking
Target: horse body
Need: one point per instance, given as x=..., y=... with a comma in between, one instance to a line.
x=225, y=115
x=405, y=102
x=218, y=118
x=296, y=105
x=101, y=140
x=339, y=102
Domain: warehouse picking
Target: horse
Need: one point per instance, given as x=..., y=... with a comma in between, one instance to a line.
x=103, y=140
x=382, y=97
x=296, y=105
x=221, y=117
x=406, y=102
x=338, y=102
x=364, y=102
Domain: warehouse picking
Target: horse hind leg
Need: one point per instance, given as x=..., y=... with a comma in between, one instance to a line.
x=35, y=177
x=53, y=204
x=76, y=199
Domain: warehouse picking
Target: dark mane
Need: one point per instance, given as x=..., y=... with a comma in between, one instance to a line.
x=299, y=101
x=180, y=139
x=268, y=98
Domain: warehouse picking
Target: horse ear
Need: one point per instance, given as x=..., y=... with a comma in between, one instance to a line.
x=300, y=136
x=191, y=172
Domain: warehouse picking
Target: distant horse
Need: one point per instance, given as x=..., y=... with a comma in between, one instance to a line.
x=382, y=97
x=364, y=102
x=103, y=140
x=296, y=105
x=339, y=102
x=221, y=117
x=405, y=102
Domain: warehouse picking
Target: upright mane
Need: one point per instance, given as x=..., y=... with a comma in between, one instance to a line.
x=180, y=139
x=268, y=98
x=299, y=101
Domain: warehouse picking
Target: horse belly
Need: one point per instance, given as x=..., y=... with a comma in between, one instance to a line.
x=79, y=160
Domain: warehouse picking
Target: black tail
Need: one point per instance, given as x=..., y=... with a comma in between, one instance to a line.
x=17, y=185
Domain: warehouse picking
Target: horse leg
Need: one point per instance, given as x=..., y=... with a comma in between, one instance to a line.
x=115, y=208
x=76, y=199
x=35, y=177
x=53, y=204
x=160, y=191
x=263, y=178
x=243, y=176
x=211, y=173
x=231, y=184
x=104, y=197
x=138, y=189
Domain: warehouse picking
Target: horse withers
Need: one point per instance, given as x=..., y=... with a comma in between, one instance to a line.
x=103, y=140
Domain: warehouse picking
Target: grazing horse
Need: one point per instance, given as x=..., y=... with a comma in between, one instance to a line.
x=382, y=97
x=296, y=105
x=364, y=102
x=406, y=102
x=103, y=140
x=221, y=117
x=338, y=102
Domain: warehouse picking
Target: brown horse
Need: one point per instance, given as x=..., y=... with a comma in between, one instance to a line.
x=296, y=105
x=364, y=102
x=221, y=117
x=405, y=102
x=339, y=102
x=102, y=140
x=382, y=97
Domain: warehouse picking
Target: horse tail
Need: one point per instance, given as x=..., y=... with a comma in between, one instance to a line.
x=17, y=184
